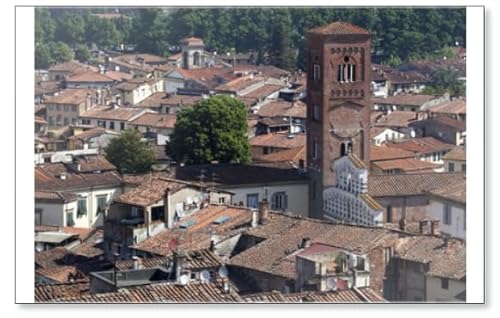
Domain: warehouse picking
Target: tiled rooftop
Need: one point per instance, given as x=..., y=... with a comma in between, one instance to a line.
x=454, y=192
x=404, y=99
x=410, y=184
x=282, y=108
x=424, y=145
x=70, y=96
x=279, y=140
x=457, y=154
x=155, y=120
x=379, y=153
x=407, y=165
x=339, y=28
x=112, y=113
x=150, y=192
x=457, y=106
x=293, y=154
x=362, y=295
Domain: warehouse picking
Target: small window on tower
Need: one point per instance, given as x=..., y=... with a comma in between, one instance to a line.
x=316, y=72
x=316, y=112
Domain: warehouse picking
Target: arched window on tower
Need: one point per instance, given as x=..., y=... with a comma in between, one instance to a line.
x=185, y=59
x=346, y=72
x=349, y=147
x=196, y=59
x=343, y=150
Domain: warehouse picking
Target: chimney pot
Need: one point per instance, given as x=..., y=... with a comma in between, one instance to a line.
x=255, y=217
x=263, y=211
x=435, y=227
x=423, y=227
x=306, y=242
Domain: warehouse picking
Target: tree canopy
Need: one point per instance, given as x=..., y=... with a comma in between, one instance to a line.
x=398, y=34
x=129, y=153
x=213, y=130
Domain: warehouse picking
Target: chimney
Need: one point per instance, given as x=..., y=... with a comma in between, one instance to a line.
x=423, y=227
x=136, y=262
x=255, y=217
x=178, y=259
x=166, y=209
x=435, y=227
x=212, y=245
x=402, y=225
x=263, y=211
x=225, y=286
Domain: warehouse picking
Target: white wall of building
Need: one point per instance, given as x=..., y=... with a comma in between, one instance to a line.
x=457, y=228
x=387, y=134
x=436, y=293
x=297, y=195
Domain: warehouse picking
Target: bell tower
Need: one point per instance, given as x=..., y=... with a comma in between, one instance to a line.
x=338, y=102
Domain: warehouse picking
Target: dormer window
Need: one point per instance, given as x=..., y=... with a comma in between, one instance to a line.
x=346, y=72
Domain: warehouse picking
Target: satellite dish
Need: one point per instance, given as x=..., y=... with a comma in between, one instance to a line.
x=223, y=271
x=331, y=283
x=394, y=107
x=412, y=134
x=375, y=107
x=205, y=276
x=184, y=279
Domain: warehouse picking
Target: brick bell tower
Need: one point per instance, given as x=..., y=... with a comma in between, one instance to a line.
x=338, y=103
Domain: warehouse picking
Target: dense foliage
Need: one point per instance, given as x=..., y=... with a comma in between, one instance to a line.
x=276, y=34
x=213, y=130
x=129, y=153
x=445, y=81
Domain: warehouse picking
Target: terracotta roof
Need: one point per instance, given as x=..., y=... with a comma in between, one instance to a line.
x=61, y=274
x=160, y=98
x=424, y=145
x=47, y=178
x=396, y=119
x=264, y=91
x=91, y=163
x=83, y=233
x=457, y=154
x=446, y=256
x=197, y=236
x=194, y=292
x=239, y=83
x=273, y=122
x=91, y=247
x=410, y=184
x=175, y=57
x=138, y=179
x=339, y=28
x=454, y=192
x=72, y=66
x=131, y=63
x=155, y=120
x=112, y=113
x=272, y=71
x=406, y=77
x=283, y=235
x=248, y=101
x=151, y=192
x=293, y=154
x=47, y=87
x=237, y=174
x=51, y=258
x=90, y=77
x=443, y=121
x=379, y=153
x=73, y=96
x=191, y=41
x=456, y=106
x=279, y=140
x=46, y=293
x=282, y=108
x=55, y=196
x=404, y=99
x=361, y=295
x=195, y=260
x=118, y=76
x=211, y=77
x=407, y=165
x=92, y=133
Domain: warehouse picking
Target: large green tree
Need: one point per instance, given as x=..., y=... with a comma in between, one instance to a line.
x=214, y=129
x=60, y=52
x=129, y=153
